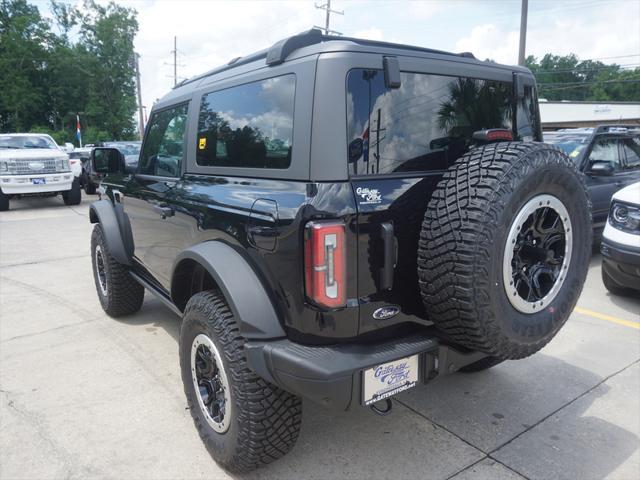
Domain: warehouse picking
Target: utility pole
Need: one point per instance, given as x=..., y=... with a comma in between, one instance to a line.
x=175, y=61
x=140, y=107
x=327, y=8
x=523, y=31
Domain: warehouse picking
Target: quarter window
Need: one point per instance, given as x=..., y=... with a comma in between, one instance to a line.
x=248, y=126
x=425, y=125
x=631, y=147
x=164, y=144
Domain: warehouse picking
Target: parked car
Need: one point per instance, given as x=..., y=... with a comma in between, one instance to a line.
x=620, y=245
x=609, y=157
x=33, y=164
x=342, y=220
x=130, y=151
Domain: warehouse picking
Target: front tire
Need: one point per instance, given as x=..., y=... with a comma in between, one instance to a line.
x=504, y=248
x=73, y=196
x=4, y=202
x=118, y=292
x=244, y=421
x=89, y=187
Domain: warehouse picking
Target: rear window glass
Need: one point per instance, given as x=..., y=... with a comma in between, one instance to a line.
x=425, y=125
x=248, y=126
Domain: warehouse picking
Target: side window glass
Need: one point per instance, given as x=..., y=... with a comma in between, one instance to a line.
x=631, y=147
x=527, y=115
x=164, y=144
x=248, y=126
x=605, y=150
x=425, y=125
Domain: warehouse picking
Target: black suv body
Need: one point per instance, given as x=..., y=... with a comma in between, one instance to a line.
x=281, y=204
x=609, y=157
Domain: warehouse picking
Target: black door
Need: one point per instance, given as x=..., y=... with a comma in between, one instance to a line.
x=401, y=141
x=157, y=238
x=604, y=149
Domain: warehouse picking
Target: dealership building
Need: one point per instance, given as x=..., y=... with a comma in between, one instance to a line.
x=568, y=114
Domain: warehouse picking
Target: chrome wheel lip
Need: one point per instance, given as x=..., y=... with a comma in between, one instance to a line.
x=218, y=426
x=538, y=202
x=101, y=273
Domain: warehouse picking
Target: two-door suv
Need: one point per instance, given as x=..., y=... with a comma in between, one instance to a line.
x=340, y=220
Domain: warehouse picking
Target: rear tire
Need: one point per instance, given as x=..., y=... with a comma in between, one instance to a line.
x=118, y=292
x=504, y=248
x=73, y=196
x=4, y=202
x=244, y=421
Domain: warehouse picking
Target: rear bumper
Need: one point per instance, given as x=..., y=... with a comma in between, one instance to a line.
x=622, y=263
x=23, y=184
x=332, y=375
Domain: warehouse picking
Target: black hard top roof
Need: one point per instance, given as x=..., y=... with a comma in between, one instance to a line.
x=319, y=43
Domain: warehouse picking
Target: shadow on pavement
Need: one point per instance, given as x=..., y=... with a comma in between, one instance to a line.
x=486, y=409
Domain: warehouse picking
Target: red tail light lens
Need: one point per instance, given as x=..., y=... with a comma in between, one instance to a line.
x=499, y=134
x=324, y=263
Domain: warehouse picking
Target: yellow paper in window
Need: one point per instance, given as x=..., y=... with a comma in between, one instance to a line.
x=202, y=143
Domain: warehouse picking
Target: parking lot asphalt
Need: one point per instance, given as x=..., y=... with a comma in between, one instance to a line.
x=86, y=396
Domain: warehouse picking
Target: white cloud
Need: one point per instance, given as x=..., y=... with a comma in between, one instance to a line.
x=370, y=34
x=609, y=31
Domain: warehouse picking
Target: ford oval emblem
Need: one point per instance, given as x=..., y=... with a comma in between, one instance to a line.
x=36, y=165
x=387, y=312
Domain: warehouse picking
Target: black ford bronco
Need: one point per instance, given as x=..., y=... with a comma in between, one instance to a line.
x=340, y=220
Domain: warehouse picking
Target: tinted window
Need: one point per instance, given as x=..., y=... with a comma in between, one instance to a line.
x=164, y=143
x=248, y=126
x=426, y=124
x=571, y=144
x=527, y=115
x=631, y=147
x=605, y=150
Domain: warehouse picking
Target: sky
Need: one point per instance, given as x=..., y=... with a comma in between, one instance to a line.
x=210, y=33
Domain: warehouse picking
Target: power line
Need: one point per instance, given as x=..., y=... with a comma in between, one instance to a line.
x=628, y=66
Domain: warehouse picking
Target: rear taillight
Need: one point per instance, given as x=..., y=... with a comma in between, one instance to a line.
x=324, y=263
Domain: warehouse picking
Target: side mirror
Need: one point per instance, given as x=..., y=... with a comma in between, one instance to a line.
x=601, y=169
x=107, y=160
x=356, y=148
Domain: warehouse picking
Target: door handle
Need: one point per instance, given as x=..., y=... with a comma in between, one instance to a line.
x=164, y=211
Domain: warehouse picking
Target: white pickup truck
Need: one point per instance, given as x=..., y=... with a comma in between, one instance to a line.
x=34, y=164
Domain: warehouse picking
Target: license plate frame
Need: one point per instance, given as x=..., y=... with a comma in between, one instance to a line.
x=388, y=379
x=39, y=181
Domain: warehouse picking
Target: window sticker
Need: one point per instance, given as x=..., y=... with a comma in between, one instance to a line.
x=202, y=143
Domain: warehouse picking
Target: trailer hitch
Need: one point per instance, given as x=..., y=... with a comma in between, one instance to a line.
x=380, y=411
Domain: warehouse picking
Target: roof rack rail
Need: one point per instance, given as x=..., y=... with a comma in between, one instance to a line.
x=613, y=126
x=282, y=49
x=279, y=52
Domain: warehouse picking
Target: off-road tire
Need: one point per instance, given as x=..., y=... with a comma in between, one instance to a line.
x=73, y=196
x=124, y=295
x=4, y=202
x=265, y=420
x=482, y=364
x=612, y=286
x=462, y=246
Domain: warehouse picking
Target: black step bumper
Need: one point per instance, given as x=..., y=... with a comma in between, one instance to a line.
x=332, y=375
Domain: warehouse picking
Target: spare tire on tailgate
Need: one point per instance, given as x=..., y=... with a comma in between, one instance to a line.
x=504, y=248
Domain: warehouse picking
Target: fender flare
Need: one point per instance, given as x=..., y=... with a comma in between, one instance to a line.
x=104, y=213
x=251, y=305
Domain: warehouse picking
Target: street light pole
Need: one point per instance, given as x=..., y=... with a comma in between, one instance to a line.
x=523, y=31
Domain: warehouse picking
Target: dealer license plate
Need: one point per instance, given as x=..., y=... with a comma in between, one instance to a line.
x=38, y=181
x=385, y=380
